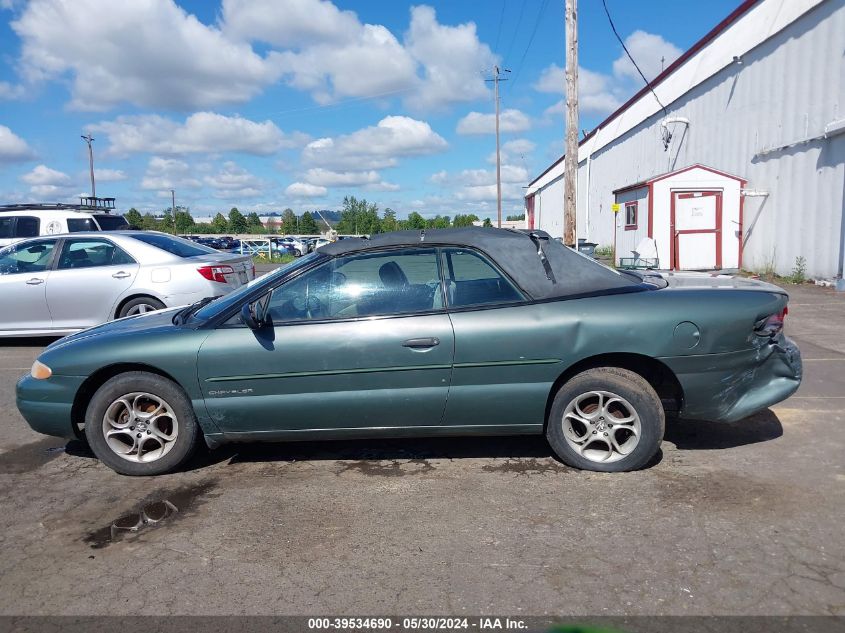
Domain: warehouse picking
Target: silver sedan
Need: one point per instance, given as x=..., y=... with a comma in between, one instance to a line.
x=65, y=283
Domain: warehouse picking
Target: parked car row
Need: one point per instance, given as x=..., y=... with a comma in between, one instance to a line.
x=291, y=245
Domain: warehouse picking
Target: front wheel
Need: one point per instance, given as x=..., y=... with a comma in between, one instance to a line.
x=606, y=419
x=140, y=423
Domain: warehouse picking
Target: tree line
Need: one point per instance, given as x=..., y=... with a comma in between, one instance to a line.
x=357, y=217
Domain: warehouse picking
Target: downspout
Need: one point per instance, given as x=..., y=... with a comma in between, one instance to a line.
x=589, y=172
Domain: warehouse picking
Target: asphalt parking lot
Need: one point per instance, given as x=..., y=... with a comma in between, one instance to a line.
x=741, y=518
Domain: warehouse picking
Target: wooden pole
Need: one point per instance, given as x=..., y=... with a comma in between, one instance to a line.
x=570, y=166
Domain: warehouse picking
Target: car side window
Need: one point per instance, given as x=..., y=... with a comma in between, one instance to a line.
x=91, y=253
x=32, y=257
x=27, y=226
x=471, y=280
x=367, y=284
x=7, y=227
x=75, y=225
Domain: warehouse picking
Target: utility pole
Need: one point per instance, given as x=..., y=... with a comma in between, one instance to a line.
x=496, y=79
x=88, y=139
x=173, y=202
x=570, y=166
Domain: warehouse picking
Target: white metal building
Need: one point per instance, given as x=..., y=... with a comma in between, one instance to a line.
x=745, y=167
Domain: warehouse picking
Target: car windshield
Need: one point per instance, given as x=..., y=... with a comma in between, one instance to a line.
x=223, y=303
x=173, y=245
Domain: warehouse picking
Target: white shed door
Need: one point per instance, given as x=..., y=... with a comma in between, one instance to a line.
x=696, y=229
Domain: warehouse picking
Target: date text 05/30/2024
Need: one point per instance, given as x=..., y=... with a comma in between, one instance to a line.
x=417, y=623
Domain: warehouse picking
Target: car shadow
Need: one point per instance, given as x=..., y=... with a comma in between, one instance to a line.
x=521, y=446
x=700, y=435
x=685, y=435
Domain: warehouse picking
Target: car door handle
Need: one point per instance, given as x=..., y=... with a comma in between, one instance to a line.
x=121, y=275
x=35, y=281
x=421, y=342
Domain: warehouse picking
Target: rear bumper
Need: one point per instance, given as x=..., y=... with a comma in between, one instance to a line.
x=729, y=387
x=46, y=404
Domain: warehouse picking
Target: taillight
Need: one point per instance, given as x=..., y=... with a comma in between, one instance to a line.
x=253, y=271
x=772, y=325
x=216, y=273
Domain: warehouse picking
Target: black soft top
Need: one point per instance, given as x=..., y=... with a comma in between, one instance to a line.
x=541, y=266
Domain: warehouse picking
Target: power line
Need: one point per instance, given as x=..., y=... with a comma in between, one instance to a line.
x=516, y=30
x=625, y=48
x=542, y=9
x=499, y=31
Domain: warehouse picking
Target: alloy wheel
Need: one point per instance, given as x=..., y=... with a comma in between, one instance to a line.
x=140, y=427
x=601, y=426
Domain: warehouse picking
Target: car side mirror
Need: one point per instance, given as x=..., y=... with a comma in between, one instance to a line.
x=254, y=314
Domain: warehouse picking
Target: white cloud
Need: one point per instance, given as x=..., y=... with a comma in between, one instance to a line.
x=164, y=174
x=382, y=186
x=487, y=193
x=648, y=49
x=109, y=175
x=48, y=183
x=451, y=58
x=10, y=91
x=510, y=120
x=375, y=147
x=440, y=177
x=517, y=149
x=373, y=63
x=328, y=178
x=333, y=55
x=13, y=148
x=292, y=23
x=601, y=94
x=305, y=190
x=43, y=175
x=150, y=53
x=597, y=93
x=201, y=132
x=233, y=182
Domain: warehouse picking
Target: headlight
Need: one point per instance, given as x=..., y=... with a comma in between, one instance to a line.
x=40, y=371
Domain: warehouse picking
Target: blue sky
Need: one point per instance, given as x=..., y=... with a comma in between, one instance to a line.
x=266, y=104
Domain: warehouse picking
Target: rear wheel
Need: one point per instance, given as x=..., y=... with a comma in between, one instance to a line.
x=140, y=305
x=140, y=423
x=606, y=419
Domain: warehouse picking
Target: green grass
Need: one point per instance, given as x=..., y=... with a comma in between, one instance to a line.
x=275, y=259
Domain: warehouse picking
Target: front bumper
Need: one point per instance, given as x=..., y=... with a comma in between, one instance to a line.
x=729, y=387
x=46, y=404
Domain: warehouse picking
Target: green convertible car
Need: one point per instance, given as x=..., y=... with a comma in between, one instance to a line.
x=420, y=333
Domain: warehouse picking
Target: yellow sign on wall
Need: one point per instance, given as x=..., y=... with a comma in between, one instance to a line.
x=615, y=206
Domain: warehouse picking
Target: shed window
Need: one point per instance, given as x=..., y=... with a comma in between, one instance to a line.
x=630, y=215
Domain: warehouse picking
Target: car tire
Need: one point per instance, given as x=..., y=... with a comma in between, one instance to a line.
x=606, y=419
x=140, y=305
x=139, y=423
x=297, y=252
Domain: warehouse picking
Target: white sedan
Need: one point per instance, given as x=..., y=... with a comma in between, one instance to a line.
x=65, y=283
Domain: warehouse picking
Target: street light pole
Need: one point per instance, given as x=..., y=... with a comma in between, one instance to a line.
x=88, y=139
x=497, y=77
